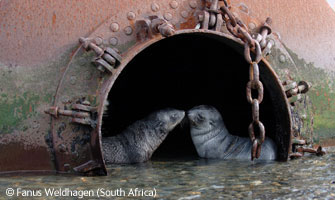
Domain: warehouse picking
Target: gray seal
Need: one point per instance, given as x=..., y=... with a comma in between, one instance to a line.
x=212, y=139
x=138, y=142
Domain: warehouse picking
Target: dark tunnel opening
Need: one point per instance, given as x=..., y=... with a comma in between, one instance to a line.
x=182, y=72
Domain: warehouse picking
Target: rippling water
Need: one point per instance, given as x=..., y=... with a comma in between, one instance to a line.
x=306, y=178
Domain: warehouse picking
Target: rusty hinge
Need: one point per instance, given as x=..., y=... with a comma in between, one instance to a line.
x=81, y=113
x=108, y=59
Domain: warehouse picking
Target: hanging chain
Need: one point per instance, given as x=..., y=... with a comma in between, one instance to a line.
x=237, y=28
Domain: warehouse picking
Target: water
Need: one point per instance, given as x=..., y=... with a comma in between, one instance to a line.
x=310, y=177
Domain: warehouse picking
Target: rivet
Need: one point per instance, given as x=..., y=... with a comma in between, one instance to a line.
x=193, y=4
x=131, y=15
x=154, y=7
x=113, y=41
x=115, y=27
x=244, y=8
x=282, y=58
x=88, y=75
x=73, y=80
x=174, y=4
x=128, y=30
x=98, y=41
x=252, y=25
x=168, y=16
x=184, y=14
x=82, y=61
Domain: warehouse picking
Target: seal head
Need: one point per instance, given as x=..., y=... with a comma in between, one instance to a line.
x=204, y=118
x=138, y=141
x=168, y=118
x=212, y=139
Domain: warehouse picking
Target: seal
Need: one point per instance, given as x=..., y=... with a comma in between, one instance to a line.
x=212, y=139
x=138, y=141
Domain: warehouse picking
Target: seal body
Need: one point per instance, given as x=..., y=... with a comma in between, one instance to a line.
x=138, y=142
x=212, y=139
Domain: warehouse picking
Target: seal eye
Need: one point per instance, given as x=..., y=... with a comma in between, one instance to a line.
x=174, y=117
x=200, y=117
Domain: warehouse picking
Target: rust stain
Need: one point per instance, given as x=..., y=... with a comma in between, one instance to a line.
x=54, y=19
x=190, y=23
x=24, y=155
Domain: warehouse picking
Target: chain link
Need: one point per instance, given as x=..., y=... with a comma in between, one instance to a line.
x=237, y=28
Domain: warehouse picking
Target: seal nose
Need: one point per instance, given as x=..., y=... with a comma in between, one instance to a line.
x=190, y=116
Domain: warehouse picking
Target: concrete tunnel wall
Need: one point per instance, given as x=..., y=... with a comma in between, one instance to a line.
x=185, y=71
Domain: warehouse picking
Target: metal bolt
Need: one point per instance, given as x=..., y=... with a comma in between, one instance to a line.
x=168, y=16
x=166, y=30
x=113, y=41
x=184, y=14
x=174, y=4
x=65, y=100
x=67, y=167
x=282, y=58
x=36, y=125
x=252, y=25
x=131, y=16
x=73, y=80
x=128, y=30
x=101, y=68
x=98, y=41
x=115, y=27
x=193, y=4
x=154, y=7
x=62, y=148
x=86, y=103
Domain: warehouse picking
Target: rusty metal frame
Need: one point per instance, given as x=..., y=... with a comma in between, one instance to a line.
x=234, y=43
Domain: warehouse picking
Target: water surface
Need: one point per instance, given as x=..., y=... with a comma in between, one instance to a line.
x=310, y=177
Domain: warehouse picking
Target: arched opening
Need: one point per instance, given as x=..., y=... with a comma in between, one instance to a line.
x=187, y=70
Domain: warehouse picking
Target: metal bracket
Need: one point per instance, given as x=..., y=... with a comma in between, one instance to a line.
x=80, y=113
x=293, y=90
x=107, y=59
x=87, y=167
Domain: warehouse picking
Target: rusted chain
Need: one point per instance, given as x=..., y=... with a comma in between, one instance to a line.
x=237, y=28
